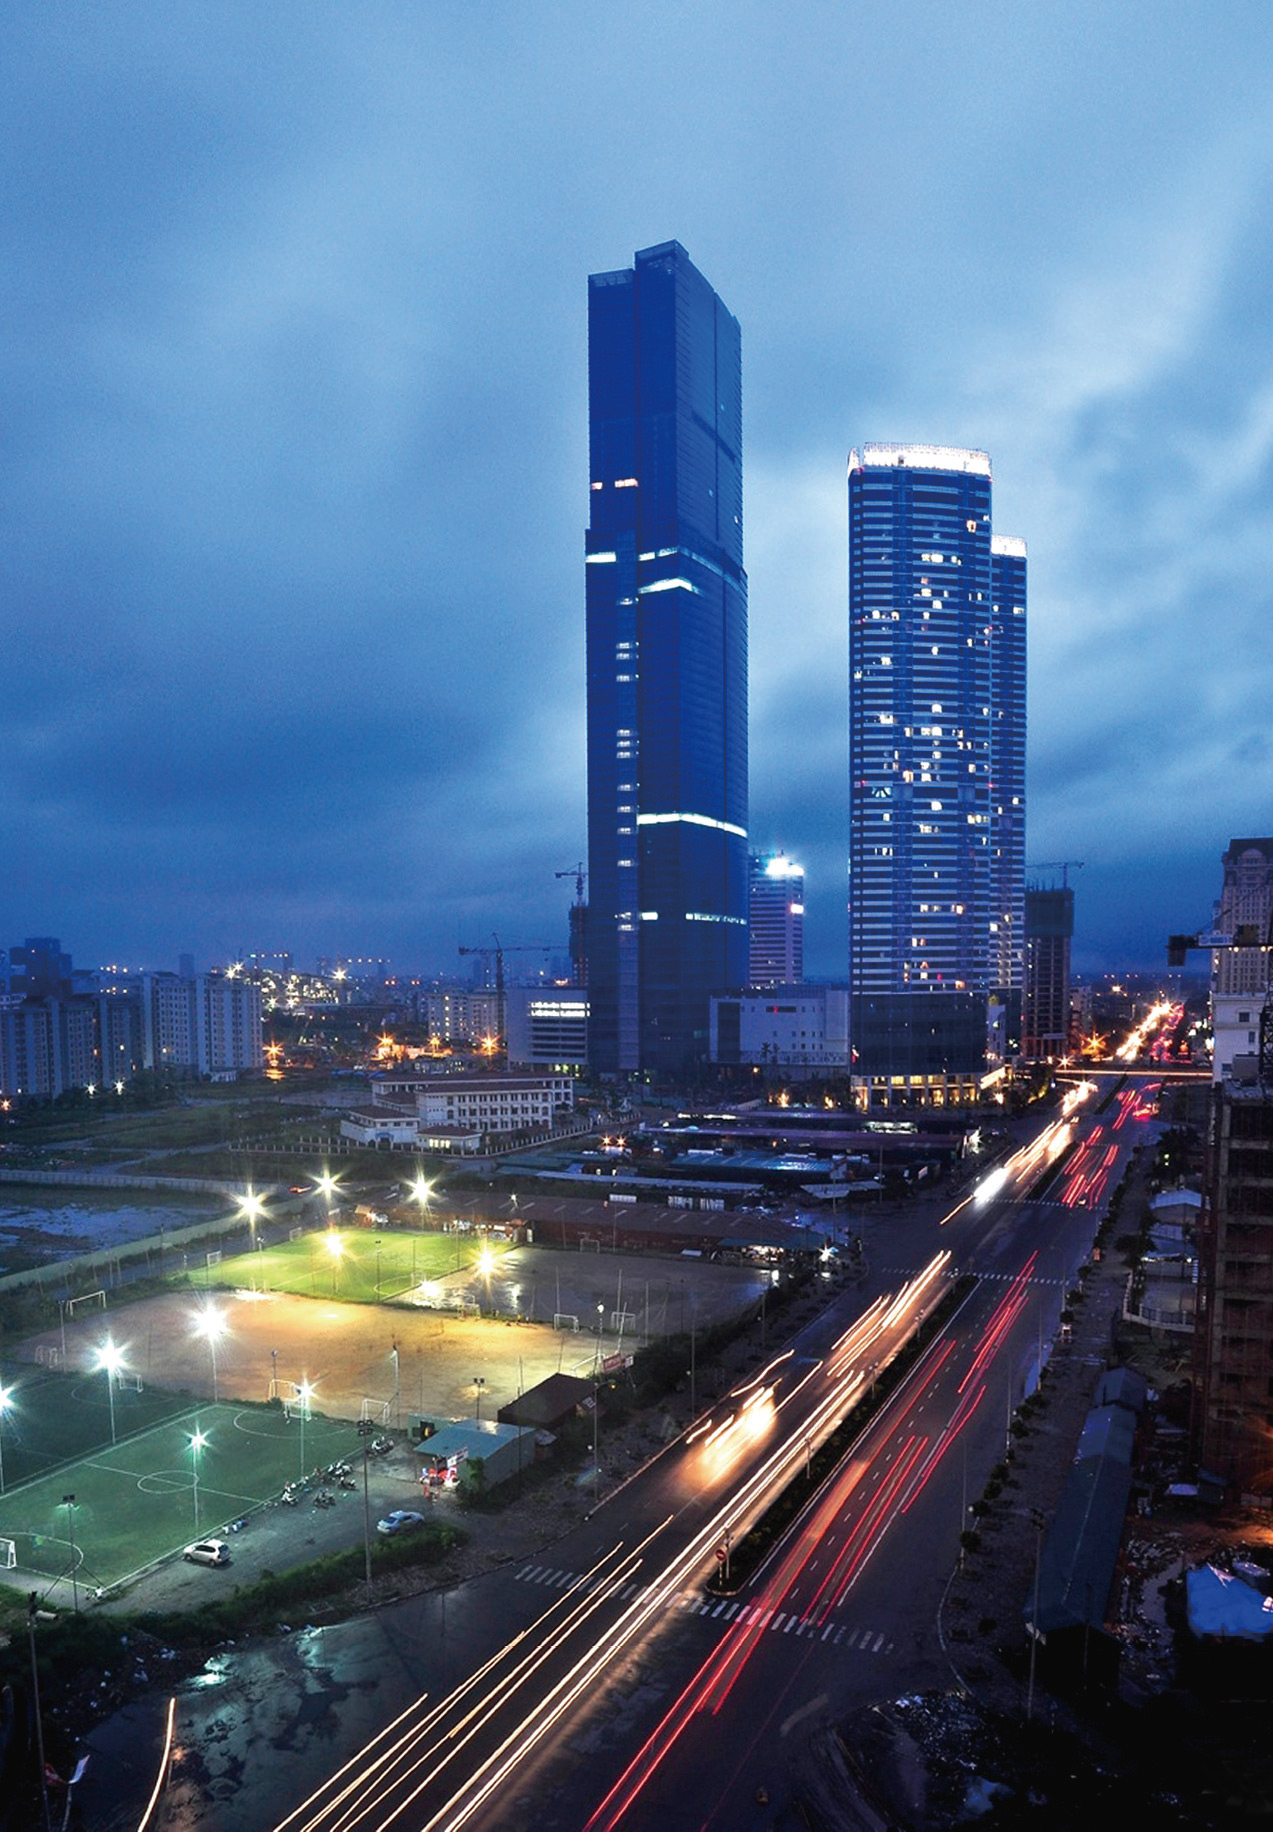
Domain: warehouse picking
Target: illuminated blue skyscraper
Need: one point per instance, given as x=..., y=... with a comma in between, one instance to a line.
x=937, y=772
x=667, y=664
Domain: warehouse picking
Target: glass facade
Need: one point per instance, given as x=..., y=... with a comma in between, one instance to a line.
x=667, y=663
x=937, y=759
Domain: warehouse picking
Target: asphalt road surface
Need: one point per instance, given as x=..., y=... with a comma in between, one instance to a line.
x=602, y=1687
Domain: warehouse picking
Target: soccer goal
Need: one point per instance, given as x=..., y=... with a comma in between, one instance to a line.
x=375, y=1411
x=8, y=1554
x=128, y=1382
x=212, y=1257
x=562, y=1319
x=91, y=1300
x=48, y=1357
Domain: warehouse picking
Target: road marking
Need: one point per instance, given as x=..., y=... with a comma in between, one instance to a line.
x=827, y=1630
x=815, y=1704
x=879, y=1643
x=791, y=1623
x=525, y=1571
x=838, y=1639
x=729, y=1612
x=626, y=1593
x=777, y=1619
x=719, y=1607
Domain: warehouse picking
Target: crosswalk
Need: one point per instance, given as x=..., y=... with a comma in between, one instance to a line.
x=986, y=1278
x=725, y=1611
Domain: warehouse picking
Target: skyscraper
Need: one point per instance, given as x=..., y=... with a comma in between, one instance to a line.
x=937, y=770
x=775, y=913
x=667, y=663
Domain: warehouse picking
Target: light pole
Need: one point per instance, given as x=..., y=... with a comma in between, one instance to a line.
x=110, y=1359
x=68, y=1502
x=6, y=1400
x=377, y=1268
x=366, y=1520
x=32, y=1611
x=211, y=1326
x=197, y=1442
x=335, y=1246
x=303, y=1394
x=478, y=1383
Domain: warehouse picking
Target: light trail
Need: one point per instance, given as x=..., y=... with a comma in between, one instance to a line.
x=382, y=1786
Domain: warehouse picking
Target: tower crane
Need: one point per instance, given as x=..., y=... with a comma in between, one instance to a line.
x=1064, y=866
x=578, y=918
x=497, y=953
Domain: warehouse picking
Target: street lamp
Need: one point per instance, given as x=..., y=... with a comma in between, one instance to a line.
x=478, y=1383
x=110, y=1359
x=211, y=1326
x=197, y=1442
x=68, y=1502
x=6, y=1400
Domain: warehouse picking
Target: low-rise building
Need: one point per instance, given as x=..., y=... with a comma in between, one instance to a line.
x=788, y=1028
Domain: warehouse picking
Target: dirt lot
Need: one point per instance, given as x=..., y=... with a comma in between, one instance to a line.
x=346, y=1351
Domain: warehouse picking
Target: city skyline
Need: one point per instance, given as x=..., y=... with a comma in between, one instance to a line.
x=296, y=468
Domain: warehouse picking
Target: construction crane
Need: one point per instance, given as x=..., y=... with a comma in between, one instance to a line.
x=578, y=919
x=1064, y=866
x=497, y=953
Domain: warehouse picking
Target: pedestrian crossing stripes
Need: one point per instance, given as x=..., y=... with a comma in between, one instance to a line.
x=728, y=1612
x=987, y=1278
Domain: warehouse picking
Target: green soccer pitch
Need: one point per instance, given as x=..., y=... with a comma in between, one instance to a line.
x=349, y=1263
x=135, y=1502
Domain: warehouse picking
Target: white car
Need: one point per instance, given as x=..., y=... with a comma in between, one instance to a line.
x=402, y=1520
x=208, y=1552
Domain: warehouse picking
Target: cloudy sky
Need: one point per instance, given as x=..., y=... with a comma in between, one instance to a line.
x=295, y=445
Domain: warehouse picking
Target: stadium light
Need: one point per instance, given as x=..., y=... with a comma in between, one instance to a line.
x=6, y=1400
x=335, y=1246
x=303, y=1394
x=110, y=1359
x=198, y=1438
x=212, y=1325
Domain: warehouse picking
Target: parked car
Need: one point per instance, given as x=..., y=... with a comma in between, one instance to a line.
x=402, y=1520
x=208, y=1552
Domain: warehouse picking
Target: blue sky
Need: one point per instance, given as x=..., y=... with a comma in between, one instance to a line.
x=295, y=446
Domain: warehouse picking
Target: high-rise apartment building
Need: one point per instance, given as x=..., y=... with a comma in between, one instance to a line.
x=775, y=914
x=1233, y=1342
x=667, y=663
x=1240, y=975
x=937, y=772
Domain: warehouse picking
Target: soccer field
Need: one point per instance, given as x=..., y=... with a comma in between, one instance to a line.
x=353, y=1264
x=134, y=1502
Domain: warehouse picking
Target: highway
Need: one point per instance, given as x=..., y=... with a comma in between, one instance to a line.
x=626, y=1695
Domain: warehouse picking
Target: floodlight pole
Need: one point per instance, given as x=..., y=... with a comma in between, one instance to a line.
x=68, y=1502
x=32, y=1605
x=366, y=1519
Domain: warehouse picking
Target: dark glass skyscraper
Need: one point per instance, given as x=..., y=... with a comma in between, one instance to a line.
x=667, y=663
x=937, y=767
